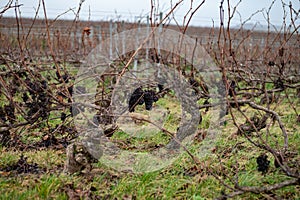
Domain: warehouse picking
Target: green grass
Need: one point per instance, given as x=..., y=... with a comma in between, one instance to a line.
x=228, y=155
x=32, y=187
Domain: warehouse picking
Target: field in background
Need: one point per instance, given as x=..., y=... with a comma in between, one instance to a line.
x=74, y=39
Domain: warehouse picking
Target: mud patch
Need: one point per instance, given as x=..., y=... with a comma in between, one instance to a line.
x=23, y=167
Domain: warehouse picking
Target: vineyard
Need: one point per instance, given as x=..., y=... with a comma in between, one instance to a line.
x=148, y=110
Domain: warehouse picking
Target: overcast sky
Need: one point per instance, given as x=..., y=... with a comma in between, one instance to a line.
x=131, y=10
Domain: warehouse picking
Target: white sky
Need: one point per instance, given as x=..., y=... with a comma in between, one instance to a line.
x=130, y=10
